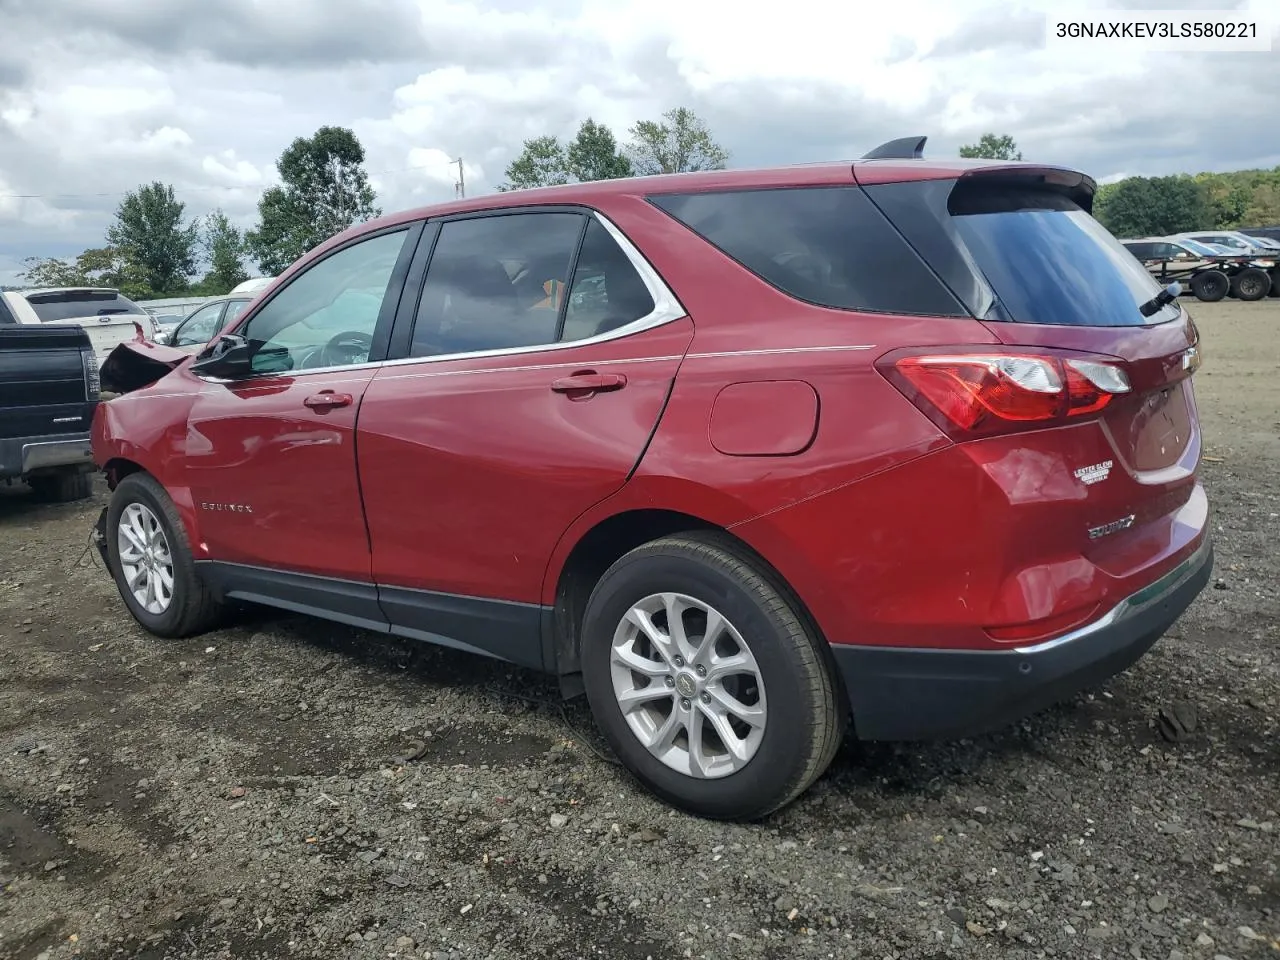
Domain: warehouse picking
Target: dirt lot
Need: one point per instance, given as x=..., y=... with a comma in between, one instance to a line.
x=239, y=795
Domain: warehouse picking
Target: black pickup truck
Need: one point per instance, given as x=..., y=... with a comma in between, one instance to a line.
x=49, y=388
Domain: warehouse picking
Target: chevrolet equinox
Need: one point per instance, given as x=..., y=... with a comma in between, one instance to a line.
x=750, y=458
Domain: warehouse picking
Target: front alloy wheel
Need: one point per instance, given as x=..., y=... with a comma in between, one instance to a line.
x=688, y=685
x=150, y=560
x=145, y=559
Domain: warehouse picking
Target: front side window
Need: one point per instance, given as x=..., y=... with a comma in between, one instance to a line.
x=496, y=283
x=327, y=315
x=200, y=327
x=234, y=309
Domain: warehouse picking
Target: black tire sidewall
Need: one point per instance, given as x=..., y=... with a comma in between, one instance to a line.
x=137, y=489
x=770, y=775
x=1214, y=280
x=1255, y=275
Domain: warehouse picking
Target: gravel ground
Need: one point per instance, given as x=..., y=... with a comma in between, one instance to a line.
x=247, y=793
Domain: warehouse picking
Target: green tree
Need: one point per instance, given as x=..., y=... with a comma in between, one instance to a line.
x=1153, y=206
x=225, y=248
x=150, y=231
x=542, y=163
x=991, y=146
x=679, y=143
x=1264, y=206
x=594, y=154
x=96, y=267
x=324, y=190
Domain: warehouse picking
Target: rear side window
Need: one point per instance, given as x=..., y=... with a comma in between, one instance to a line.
x=56, y=306
x=828, y=246
x=6, y=315
x=496, y=283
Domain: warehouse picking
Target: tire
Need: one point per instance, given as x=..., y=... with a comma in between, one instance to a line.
x=1274, y=273
x=802, y=706
x=192, y=608
x=64, y=486
x=1250, y=284
x=1210, y=286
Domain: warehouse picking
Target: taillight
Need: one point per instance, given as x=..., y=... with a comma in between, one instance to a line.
x=92, y=377
x=974, y=394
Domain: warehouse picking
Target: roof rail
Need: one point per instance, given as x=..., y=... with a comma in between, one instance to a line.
x=904, y=148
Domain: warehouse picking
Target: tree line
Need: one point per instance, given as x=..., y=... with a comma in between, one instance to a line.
x=154, y=249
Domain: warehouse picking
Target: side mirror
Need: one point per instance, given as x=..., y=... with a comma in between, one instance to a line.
x=233, y=357
x=227, y=358
x=161, y=336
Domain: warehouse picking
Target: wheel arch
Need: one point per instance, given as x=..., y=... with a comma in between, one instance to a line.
x=606, y=541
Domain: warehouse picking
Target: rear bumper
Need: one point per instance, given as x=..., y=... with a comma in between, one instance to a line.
x=20, y=456
x=920, y=694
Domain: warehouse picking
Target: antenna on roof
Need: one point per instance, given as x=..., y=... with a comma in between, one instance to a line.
x=904, y=148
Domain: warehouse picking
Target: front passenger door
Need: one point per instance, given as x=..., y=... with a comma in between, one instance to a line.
x=271, y=457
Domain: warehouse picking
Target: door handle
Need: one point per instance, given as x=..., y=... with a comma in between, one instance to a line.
x=327, y=399
x=589, y=382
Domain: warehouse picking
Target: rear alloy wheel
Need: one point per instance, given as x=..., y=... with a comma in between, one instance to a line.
x=706, y=679
x=1251, y=284
x=151, y=561
x=1210, y=286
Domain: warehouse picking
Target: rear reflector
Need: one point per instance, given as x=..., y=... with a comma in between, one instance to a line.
x=974, y=394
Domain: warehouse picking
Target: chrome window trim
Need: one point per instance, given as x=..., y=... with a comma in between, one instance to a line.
x=667, y=308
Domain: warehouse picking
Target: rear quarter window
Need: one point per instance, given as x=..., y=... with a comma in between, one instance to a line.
x=827, y=246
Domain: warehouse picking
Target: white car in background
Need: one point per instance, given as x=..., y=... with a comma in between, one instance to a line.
x=106, y=315
x=253, y=285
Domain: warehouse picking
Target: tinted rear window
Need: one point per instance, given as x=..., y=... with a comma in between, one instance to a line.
x=828, y=246
x=1022, y=253
x=69, y=304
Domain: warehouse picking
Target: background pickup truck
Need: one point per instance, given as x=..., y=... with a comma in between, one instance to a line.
x=49, y=387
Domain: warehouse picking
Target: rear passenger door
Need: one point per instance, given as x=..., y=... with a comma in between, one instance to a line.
x=533, y=366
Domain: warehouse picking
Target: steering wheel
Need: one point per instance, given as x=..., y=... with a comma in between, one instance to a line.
x=350, y=346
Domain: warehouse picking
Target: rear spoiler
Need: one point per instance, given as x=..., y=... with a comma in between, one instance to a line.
x=1080, y=187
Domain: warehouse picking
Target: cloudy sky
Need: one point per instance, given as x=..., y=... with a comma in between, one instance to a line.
x=97, y=96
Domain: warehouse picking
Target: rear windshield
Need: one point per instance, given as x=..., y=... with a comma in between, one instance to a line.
x=62, y=305
x=1022, y=253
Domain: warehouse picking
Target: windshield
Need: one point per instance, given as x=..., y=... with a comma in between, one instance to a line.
x=59, y=305
x=1020, y=252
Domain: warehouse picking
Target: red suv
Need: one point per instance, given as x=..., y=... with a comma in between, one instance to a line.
x=745, y=456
